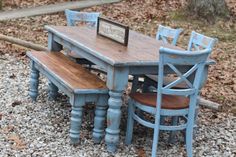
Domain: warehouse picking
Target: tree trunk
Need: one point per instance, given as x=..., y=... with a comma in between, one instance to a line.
x=208, y=9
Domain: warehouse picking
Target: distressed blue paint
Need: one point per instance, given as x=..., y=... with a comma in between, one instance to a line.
x=163, y=33
x=113, y=120
x=78, y=98
x=99, y=120
x=52, y=45
x=197, y=60
x=53, y=91
x=75, y=16
x=77, y=102
x=199, y=41
x=34, y=82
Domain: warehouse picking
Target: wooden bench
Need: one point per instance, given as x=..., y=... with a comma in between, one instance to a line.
x=75, y=81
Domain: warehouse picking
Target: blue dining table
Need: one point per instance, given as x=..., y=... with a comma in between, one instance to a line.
x=138, y=58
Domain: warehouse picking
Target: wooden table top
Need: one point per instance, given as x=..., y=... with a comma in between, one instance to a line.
x=141, y=49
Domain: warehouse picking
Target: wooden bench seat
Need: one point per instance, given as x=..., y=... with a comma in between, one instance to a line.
x=77, y=82
x=72, y=75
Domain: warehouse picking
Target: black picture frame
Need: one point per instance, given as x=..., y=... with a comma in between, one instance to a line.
x=116, y=24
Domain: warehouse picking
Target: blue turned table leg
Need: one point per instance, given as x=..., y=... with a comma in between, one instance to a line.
x=117, y=80
x=99, y=120
x=113, y=120
x=34, y=82
x=77, y=103
x=53, y=91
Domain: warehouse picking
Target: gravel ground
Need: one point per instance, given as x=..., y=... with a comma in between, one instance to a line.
x=41, y=128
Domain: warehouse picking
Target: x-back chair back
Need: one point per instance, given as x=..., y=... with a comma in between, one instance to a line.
x=165, y=33
x=199, y=42
x=90, y=18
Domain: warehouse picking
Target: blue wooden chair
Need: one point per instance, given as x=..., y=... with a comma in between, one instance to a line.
x=169, y=101
x=82, y=18
x=89, y=19
x=167, y=35
x=197, y=42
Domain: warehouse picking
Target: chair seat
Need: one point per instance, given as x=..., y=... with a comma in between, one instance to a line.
x=168, y=101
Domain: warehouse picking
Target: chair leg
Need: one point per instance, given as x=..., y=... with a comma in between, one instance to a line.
x=34, y=82
x=130, y=124
x=155, y=138
x=174, y=122
x=53, y=91
x=76, y=119
x=146, y=84
x=99, y=120
x=189, y=131
x=194, y=127
x=134, y=84
x=195, y=122
x=162, y=120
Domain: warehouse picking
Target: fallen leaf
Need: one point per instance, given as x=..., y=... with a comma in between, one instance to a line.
x=9, y=128
x=18, y=143
x=141, y=152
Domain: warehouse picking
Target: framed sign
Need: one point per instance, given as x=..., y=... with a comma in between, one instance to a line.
x=113, y=30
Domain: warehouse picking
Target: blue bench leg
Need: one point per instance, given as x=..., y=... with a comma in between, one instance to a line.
x=99, y=120
x=77, y=104
x=53, y=91
x=34, y=82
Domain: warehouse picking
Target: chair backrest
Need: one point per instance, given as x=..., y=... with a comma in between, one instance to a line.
x=199, y=42
x=84, y=17
x=169, y=58
x=165, y=33
x=174, y=59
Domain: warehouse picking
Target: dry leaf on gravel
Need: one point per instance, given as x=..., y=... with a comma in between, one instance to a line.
x=141, y=152
x=8, y=129
x=18, y=142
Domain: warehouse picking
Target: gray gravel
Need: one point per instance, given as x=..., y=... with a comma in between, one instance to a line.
x=41, y=128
